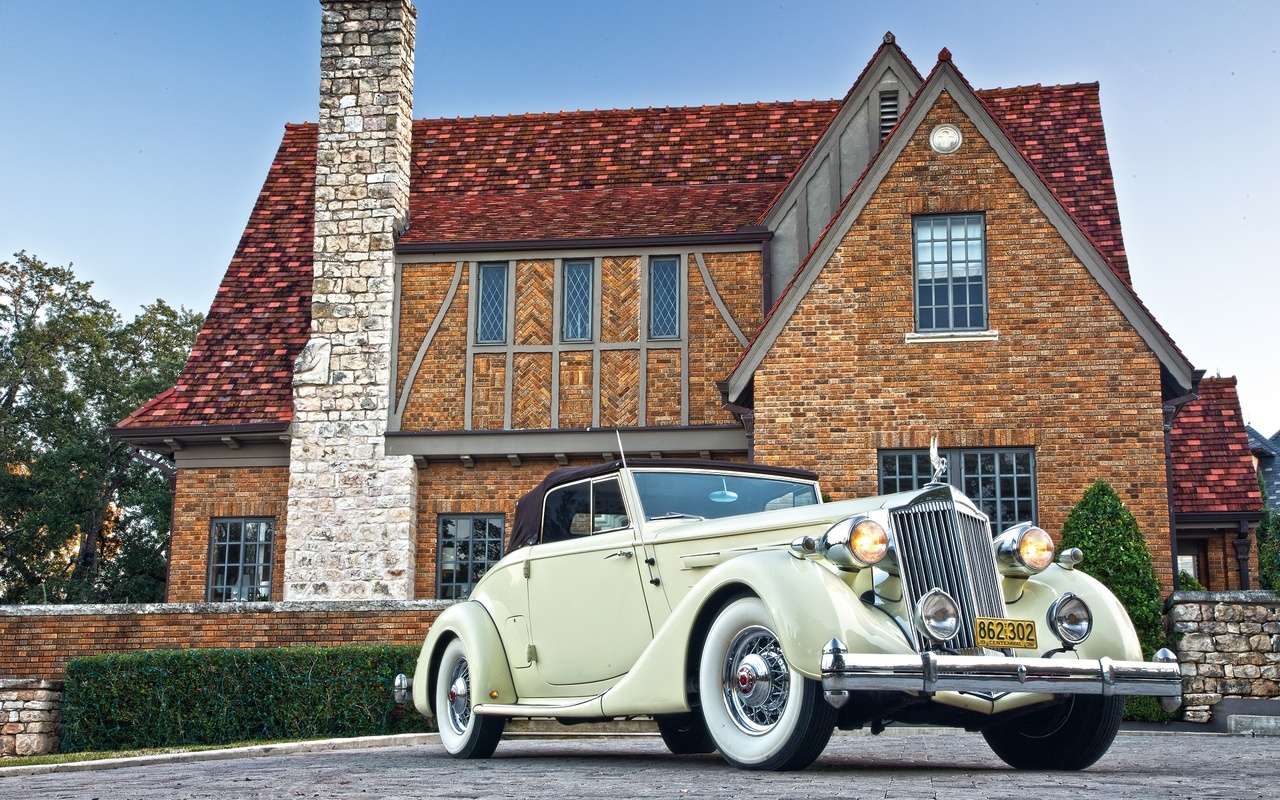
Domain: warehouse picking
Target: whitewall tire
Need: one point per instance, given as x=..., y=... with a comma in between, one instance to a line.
x=760, y=712
x=463, y=733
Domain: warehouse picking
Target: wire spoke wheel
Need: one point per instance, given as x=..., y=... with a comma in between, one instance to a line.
x=463, y=733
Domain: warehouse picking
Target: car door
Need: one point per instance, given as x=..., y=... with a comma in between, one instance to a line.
x=586, y=594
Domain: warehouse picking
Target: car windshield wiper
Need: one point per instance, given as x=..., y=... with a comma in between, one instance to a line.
x=676, y=515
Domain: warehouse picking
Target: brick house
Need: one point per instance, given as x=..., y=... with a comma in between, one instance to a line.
x=1216, y=500
x=423, y=317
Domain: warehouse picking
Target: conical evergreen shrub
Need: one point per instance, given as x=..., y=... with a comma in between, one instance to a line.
x=1116, y=554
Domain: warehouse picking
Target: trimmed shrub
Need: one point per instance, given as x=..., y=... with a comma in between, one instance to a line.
x=168, y=698
x=1188, y=583
x=1117, y=555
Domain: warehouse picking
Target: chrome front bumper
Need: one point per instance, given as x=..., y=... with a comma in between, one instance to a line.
x=929, y=672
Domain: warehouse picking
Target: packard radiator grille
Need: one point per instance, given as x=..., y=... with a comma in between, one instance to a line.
x=940, y=546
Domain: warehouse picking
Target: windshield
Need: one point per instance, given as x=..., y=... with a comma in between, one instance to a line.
x=711, y=495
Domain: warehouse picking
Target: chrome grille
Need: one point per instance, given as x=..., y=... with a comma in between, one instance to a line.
x=941, y=546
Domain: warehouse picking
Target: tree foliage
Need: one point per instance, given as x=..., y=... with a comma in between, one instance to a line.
x=81, y=519
x=1268, y=543
x=1116, y=554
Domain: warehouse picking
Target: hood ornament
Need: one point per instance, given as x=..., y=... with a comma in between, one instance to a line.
x=938, y=462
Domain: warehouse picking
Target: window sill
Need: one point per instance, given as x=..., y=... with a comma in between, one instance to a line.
x=953, y=336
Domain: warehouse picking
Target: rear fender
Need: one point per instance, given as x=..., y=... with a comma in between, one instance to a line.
x=486, y=657
x=809, y=604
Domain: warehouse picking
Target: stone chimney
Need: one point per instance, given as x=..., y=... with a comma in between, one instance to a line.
x=350, y=531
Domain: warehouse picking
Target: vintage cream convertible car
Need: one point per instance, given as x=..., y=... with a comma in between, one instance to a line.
x=745, y=615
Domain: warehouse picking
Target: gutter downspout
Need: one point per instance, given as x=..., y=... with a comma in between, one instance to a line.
x=1171, y=410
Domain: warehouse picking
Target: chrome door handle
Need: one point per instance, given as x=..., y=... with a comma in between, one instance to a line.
x=622, y=553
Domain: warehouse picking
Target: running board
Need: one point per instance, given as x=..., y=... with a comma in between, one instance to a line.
x=591, y=708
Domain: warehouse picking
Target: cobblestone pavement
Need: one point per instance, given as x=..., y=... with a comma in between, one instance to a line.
x=905, y=767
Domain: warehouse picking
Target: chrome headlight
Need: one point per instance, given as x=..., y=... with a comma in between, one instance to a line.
x=937, y=616
x=1070, y=619
x=1023, y=550
x=855, y=543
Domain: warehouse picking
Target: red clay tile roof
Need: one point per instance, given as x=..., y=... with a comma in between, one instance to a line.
x=1059, y=129
x=241, y=368
x=1212, y=464
x=592, y=174
x=574, y=175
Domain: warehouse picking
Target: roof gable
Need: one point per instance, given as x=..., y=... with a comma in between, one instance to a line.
x=1212, y=463
x=946, y=78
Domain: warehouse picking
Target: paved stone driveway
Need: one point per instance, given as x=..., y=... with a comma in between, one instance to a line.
x=960, y=766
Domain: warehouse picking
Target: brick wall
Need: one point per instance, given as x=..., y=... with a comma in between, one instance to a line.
x=39, y=640
x=205, y=493
x=1068, y=375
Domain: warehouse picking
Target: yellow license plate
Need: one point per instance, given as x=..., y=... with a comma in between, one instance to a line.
x=1019, y=634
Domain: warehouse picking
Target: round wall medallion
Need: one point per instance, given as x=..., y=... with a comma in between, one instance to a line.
x=945, y=139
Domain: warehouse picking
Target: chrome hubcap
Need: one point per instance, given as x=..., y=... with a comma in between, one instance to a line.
x=757, y=680
x=459, y=696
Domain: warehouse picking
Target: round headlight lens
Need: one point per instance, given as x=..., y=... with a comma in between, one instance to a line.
x=1035, y=549
x=869, y=541
x=1070, y=619
x=855, y=543
x=937, y=616
x=1023, y=550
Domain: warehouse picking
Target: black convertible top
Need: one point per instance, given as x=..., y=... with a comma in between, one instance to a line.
x=528, y=521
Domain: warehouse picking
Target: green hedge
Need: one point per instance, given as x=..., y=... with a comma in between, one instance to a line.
x=167, y=698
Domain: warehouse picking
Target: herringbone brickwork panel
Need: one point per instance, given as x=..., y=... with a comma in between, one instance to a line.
x=620, y=300
x=423, y=288
x=620, y=387
x=488, y=391
x=576, y=394
x=435, y=398
x=737, y=278
x=713, y=350
x=534, y=292
x=662, y=398
x=531, y=387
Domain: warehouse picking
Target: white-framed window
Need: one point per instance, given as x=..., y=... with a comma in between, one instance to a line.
x=949, y=251
x=491, y=303
x=1002, y=481
x=577, y=301
x=240, y=551
x=664, y=297
x=468, y=545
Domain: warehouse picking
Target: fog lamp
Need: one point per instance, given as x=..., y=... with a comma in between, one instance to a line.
x=1070, y=619
x=1023, y=550
x=937, y=616
x=855, y=543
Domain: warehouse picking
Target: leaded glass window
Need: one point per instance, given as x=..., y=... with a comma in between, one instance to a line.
x=576, y=301
x=1001, y=482
x=491, y=307
x=950, y=273
x=240, y=559
x=469, y=544
x=664, y=298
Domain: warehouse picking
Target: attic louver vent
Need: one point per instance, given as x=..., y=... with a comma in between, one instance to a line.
x=888, y=112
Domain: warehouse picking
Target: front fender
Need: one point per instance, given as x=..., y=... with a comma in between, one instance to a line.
x=1113, y=634
x=809, y=604
x=486, y=657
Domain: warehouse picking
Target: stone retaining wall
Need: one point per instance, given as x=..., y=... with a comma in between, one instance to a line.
x=32, y=712
x=1229, y=648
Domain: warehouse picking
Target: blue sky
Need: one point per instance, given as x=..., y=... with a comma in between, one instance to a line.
x=134, y=136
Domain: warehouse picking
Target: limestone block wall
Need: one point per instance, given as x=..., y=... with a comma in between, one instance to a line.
x=32, y=714
x=351, y=507
x=1229, y=648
